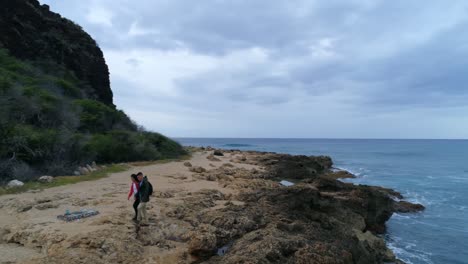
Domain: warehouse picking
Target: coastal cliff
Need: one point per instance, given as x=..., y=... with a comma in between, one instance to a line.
x=224, y=208
x=30, y=31
x=56, y=109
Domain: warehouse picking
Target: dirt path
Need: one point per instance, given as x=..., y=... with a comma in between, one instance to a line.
x=30, y=231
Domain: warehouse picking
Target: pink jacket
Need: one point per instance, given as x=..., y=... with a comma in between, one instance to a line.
x=133, y=189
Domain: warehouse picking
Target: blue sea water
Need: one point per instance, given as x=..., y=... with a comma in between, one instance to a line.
x=431, y=172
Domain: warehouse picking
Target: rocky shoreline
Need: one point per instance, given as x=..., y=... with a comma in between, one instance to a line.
x=318, y=220
x=221, y=206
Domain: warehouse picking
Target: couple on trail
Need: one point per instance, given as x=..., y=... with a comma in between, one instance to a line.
x=141, y=189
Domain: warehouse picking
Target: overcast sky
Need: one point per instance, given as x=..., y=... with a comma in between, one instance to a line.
x=263, y=68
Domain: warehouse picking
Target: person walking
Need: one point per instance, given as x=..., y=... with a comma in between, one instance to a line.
x=134, y=187
x=144, y=194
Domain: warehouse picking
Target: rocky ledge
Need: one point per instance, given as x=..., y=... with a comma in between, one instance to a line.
x=318, y=220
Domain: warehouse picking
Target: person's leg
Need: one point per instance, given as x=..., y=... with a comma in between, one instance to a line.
x=135, y=207
x=142, y=213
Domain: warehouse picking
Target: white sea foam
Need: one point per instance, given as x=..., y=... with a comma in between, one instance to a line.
x=414, y=197
x=460, y=207
x=401, y=216
x=458, y=179
x=408, y=252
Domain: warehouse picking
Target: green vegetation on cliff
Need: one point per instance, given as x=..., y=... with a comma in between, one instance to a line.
x=48, y=126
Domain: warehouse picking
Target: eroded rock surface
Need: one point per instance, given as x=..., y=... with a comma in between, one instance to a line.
x=318, y=220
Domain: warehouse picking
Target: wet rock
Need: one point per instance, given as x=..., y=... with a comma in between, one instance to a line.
x=187, y=164
x=297, y=167
x=341, y=174
x=407, y=207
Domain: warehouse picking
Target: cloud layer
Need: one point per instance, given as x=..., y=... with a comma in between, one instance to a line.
x=359, y=68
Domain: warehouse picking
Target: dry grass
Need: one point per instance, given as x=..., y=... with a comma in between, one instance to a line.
x=153, y=162
x=65, y=180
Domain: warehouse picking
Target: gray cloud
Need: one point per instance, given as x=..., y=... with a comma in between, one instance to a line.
x=359, y=62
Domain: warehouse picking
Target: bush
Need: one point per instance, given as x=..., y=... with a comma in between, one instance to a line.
x=98, y=117
x=120, y=146
x=167, y=147
x=5, y=83
x=69, y=89
x=125, y=146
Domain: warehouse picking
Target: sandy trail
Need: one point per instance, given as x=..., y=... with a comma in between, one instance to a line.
x=31, y=231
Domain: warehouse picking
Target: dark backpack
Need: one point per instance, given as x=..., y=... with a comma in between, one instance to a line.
x=150, y=191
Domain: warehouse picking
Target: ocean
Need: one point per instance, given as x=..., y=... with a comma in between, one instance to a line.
x=431, y=172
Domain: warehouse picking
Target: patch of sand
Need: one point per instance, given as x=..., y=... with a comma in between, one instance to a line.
x=29, y=226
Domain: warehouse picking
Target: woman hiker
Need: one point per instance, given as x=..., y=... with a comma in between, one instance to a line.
x=134, y=188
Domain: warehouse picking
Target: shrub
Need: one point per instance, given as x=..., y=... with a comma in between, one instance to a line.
x=98, y=117
x=120, y=146
x=5, y=83
x=68, y=88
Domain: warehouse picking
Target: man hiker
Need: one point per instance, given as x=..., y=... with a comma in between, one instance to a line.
x=144, y=193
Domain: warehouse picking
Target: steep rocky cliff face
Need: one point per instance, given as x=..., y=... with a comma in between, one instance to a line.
x=56, y=109
x=30, y=31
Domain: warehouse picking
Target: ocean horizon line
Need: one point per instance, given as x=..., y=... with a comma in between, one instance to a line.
x=319, y=138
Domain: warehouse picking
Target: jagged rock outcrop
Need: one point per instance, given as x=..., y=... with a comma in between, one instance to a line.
x=318, y=220
x=30, y=31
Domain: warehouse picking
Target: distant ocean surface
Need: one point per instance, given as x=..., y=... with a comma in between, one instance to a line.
x=431, y=172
